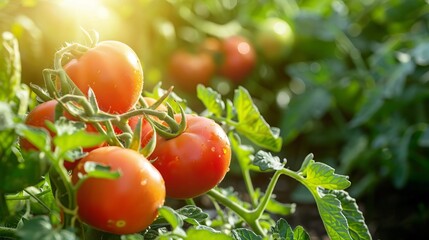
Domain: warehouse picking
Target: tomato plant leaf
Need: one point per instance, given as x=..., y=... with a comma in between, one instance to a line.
x=299, y=233
x=192, y=212
x=40, y=228
x=97, y=170
x=356, y=222
x=420, y=54
x=244, y=153
x=10, y=65
x=171, y=216
x=330, y=210
x=395, y=80
x=252, y=125
x=229, y=109
x=304, y=108
x=283, y=209
x=22, y=169
x=211, y=99
x=373, y=101
x=39, y=137
x=282, y=230
x=321, y=175
x=266, y=161
x=204, y=233
x=423, y=141
x=78, y=139
x=92, y=100
x=244, y=234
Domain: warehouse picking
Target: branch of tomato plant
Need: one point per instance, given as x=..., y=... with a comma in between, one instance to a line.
x=251, y=217
x=4, y=210
x=8, y=232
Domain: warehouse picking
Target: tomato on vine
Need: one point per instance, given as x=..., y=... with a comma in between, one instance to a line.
x=239, y=58
x=188, y=69
x=146, y=129
x=125, y=205
x=195, y=161
x=46, y=112
x=113, y=71
x=274, y=39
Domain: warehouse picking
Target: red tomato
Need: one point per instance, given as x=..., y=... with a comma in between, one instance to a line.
x=196, y=160
x=187, y=69
x=46, y=112
x=239, y=58
x=113, y=71
x=125, y=205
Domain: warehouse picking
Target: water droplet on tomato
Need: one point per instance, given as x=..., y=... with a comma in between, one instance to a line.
x=121, y=223
x=143, y=182
x=213, y=149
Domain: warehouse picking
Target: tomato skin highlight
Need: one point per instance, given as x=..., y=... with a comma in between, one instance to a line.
x=46, y=112
x=195, y=161
x=113, y=71
x=188, y=69
x=239, y=58
x=125, y=205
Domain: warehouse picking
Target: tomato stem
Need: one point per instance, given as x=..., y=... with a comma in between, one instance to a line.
x=4, y=210
x=259, y=210
x=249, y=217
x=8, y=232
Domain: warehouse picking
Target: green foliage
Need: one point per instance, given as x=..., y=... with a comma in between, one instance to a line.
x=10, y=66
x=355, y=87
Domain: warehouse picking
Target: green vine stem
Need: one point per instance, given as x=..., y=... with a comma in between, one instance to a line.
x=239, y=210
x=8, y=232
x=251, y=217
x=4, y=210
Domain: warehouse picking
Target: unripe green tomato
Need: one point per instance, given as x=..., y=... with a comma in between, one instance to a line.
x=275, y=39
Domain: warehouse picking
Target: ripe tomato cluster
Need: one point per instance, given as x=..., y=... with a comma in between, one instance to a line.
x=233, y=58
x=183, y=166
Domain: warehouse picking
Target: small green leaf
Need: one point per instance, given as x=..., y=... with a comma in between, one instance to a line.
x=356, y=222
x=252, y=125
x=424, y=139
x=171, y=216
x=244, y=153
x=401, y=167
x=265, y=161
x=229, y=109
x=78, y=139
x=97, y=170
x=136, y=139
x=279, y=208
x=299, y=233
x=322, y=175
x=306, y=162
x=92, y=100
x=304, y=108
x=206, y=234
x=39, y=228
x=192, y=212
x=330, y=211
x=373, y=101
x=38, y=137
x=22, y=169
x=244, y=234
x=211, y=99
x=282, y=230
x=421, y=54
x=10, y=65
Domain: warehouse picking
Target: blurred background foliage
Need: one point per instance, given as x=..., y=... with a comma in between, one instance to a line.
x=348, y=81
